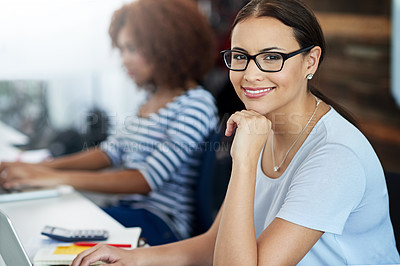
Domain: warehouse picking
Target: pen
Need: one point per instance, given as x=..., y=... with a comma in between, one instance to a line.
x=91, y=244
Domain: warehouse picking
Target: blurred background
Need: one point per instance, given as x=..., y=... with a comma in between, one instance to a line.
x=63, y=86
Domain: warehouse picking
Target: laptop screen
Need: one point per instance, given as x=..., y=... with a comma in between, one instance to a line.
x=11, y=250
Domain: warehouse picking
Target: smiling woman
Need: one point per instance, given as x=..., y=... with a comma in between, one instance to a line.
x=324, y=202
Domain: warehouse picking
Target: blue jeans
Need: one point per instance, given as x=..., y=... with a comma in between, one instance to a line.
x=154, y=229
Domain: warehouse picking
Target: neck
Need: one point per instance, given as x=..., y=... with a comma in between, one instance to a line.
x=277, y=166
x=159, y=99
x=287, y=123
x=165, y=89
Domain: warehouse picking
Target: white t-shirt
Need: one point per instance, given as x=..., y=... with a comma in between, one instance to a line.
x=335, y=184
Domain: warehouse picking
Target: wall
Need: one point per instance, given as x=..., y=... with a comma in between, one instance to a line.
x=357, y=71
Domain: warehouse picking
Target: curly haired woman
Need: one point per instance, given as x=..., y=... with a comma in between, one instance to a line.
x=167, y=48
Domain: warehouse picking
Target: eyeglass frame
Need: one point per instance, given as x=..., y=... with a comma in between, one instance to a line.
x=253, y=57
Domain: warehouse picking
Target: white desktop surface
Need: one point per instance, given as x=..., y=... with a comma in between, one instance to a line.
x=72, y=211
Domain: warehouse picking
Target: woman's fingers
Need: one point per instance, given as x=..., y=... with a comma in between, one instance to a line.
x=249, y=120
x=252, y=130
x=4, y=166
x=15, y=176
x=231, y=124
x=234, y=121
x=100, y=252
x=29, y=175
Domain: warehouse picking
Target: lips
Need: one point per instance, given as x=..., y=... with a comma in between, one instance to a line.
x=256, y=92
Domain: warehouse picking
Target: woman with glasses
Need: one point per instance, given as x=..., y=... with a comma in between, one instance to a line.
x=306, y=186
x=166, y=48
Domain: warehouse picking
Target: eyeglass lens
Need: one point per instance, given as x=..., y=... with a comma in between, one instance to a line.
x=268, y=61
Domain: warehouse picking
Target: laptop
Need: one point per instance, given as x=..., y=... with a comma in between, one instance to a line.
x=11, y=250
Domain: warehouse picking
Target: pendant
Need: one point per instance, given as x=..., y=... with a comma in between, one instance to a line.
x=276, y=168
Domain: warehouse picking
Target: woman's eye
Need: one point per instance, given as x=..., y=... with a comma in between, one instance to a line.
x=239, y=56
x=131, y=49
x=127, y=49
x=272, y=57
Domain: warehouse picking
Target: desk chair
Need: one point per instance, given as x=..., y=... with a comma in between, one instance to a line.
x=393, y=186
x=11, y=249
x=214, y=178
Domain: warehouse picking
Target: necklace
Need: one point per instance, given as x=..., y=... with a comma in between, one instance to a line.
x=276, y=168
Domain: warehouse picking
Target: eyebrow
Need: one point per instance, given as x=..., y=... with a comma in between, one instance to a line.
x=261, y=51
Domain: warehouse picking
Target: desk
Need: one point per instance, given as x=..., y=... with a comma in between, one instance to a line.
x=72, y=211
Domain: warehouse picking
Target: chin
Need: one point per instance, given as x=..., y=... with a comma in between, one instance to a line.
x=139, y=83
x=256, y=108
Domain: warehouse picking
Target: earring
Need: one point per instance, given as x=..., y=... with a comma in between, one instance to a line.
x=310, y=76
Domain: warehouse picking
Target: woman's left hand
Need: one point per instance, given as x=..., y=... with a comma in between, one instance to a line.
x=252, y=130
x=19, y=175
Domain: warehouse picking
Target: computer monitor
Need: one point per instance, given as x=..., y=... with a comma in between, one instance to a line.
x=11, y=250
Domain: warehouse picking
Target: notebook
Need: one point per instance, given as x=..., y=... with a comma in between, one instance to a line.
x=65, y=253
x=11, y=250
x=33, y=193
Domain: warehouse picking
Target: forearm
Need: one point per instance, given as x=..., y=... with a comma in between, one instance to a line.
x=236, y=241
x=93, y=159
x=193, y=251
x=121, y=181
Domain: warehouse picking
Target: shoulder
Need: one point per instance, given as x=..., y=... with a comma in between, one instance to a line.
x=337, y=152
x=335, y=137
x=193, y=112
x=196, y=102
x=198, y=97
x=337, y=129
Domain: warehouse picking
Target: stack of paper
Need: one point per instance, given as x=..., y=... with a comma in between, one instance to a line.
x=10, y=136
x=58, y=255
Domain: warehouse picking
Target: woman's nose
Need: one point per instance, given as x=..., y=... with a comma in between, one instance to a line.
x=124, y=57
x=127, y=58
x=252, y=72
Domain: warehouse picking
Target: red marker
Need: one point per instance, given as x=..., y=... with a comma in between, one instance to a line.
x=91, y=244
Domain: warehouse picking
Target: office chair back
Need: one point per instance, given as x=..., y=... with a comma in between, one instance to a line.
x=214, y=178
x=393, y=186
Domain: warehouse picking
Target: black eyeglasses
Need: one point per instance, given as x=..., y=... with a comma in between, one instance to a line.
x=265, y=61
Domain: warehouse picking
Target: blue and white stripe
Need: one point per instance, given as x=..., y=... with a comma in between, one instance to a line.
x=166, y=149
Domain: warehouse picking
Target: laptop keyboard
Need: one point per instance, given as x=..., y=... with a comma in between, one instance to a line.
x=6, y=190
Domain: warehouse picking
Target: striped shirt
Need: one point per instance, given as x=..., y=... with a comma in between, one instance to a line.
x=166, y=148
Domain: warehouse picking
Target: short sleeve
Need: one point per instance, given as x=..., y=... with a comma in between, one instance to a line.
x=327, y=187
x=112, y=147
x=186, y=131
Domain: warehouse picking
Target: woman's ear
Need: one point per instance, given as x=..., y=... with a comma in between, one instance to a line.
x=313, y=59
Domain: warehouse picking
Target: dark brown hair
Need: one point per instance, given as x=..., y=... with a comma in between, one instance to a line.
x=172, y=35
x=306, y=29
